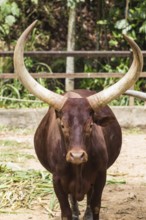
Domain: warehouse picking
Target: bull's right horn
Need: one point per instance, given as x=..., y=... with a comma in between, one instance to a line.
x=53, y=99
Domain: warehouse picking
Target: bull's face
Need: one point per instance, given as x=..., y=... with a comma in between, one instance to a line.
x=76, y=123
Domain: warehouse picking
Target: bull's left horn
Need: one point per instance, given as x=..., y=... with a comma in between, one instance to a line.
x=53, y=99
x=104, y=97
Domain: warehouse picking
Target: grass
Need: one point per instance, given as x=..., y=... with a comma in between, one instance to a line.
x=13, y=157
x=133, y=131
x=7, y=143
x=15, y=151
x=26, y=189
x=14, y=143
x=12, y=130
x=115, y=181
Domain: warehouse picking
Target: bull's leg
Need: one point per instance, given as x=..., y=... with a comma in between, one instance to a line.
x=97, y=194
x=88, y=213
x=66, y=213
x=75, y=209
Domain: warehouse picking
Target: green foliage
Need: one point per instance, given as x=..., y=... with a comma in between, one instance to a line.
x=120, y=65
x=34, y=1
x=72, y=3
x=142, y=29
x=123, y=25
x=14, y=95
x=9, y=13
x=102, y=22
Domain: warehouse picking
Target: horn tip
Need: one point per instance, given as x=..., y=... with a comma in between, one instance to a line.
x=35, y=21
x=33, y=24
x=126, y=37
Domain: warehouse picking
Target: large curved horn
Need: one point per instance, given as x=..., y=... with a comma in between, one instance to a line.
x=104, y=97
x=53, y=99
x=136, y=94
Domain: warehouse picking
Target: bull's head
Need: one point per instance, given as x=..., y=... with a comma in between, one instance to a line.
x=79, y=118
x=75, y=122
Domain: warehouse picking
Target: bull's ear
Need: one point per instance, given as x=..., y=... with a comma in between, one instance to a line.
x=103, y=119
x=58, y=114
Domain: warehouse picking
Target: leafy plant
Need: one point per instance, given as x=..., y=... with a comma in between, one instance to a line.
x=14, y=95
x=9, y=13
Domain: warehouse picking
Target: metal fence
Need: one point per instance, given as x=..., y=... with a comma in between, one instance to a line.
x=85, y=54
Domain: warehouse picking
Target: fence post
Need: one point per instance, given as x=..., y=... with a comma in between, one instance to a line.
x=131, y=99
x=69, y=83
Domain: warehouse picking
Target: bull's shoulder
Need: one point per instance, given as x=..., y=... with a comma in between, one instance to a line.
x=104, y=116
x=46, y=122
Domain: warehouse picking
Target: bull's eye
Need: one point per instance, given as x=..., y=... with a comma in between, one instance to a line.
x=62, y=125
x=91, y=125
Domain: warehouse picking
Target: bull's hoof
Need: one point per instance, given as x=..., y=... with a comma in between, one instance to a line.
x=88, y=214
x=75, y=217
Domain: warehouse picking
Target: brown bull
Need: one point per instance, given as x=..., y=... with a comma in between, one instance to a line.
x=79, y=137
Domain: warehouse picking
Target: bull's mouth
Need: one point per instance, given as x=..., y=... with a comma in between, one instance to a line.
x=77, y=157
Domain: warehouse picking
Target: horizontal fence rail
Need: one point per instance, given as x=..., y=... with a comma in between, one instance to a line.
x=64, y=54
x=87, y=54
x=45, y=75
x=73, y=53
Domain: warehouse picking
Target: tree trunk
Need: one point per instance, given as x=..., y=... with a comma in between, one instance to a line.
x=127, y=9
x=69, y=83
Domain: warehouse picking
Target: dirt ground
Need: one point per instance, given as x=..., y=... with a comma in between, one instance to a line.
x=125, y=199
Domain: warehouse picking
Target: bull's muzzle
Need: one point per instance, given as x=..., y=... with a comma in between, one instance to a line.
x=77, y=156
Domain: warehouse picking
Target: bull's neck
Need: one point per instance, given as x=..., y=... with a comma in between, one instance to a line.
x=78, y=172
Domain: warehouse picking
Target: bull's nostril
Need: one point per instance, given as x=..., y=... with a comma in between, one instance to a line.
x=82, y=155
x=77, y=155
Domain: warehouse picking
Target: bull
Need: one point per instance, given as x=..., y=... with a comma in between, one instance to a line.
x=79, y=138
